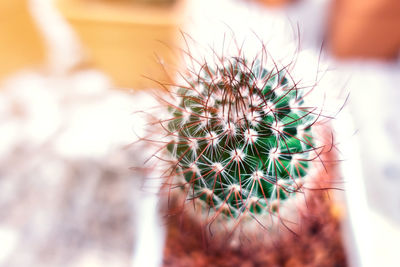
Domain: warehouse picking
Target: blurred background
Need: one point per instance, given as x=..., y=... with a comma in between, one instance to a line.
x=73, y=73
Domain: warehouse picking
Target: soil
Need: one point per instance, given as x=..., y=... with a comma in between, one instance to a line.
x=318, y=244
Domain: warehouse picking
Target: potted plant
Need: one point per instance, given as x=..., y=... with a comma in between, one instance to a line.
x=240, y=154
x=128, y=39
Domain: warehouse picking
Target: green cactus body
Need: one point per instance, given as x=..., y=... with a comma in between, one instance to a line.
x=242, y=139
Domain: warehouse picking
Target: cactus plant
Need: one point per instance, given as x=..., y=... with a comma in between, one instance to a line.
x=240, y=138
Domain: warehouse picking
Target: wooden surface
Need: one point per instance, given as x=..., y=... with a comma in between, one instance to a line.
x=20, y=43
x=127, y=41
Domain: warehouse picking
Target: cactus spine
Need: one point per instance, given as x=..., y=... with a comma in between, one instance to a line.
x=241, y=137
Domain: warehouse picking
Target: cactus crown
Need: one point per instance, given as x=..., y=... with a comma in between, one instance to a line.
x=242, y=138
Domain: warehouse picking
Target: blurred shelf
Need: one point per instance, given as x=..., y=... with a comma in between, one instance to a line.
x=127, y=40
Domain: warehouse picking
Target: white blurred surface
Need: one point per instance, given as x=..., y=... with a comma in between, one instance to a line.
x=374, y=104
x=369, y=130
x=67, y=195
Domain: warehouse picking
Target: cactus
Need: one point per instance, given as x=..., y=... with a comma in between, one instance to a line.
x=241, y=137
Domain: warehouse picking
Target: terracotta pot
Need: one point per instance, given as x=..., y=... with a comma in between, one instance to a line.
x=20, y=43
x=127, y=40
x=365, y=29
